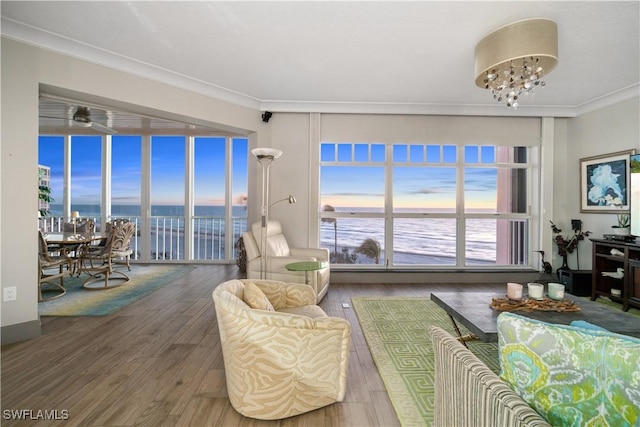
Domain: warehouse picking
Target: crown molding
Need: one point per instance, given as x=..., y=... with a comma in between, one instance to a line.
x=417, y=109
x=46, y=40
x=621, y=95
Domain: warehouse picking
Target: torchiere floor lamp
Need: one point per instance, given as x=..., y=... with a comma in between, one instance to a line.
x=265, y=157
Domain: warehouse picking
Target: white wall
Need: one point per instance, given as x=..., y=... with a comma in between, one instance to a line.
x=290, y=174
x=19, y=161
x=608, y=130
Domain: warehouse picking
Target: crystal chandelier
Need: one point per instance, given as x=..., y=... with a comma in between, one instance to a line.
x=512, y=61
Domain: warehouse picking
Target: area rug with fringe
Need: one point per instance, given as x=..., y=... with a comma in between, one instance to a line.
x=78, y=301
x=396, y=331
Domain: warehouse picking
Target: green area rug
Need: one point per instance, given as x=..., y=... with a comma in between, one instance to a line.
x=83, y=302
x=396, y=330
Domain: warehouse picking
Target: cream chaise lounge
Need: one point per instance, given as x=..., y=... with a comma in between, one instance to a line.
x=284, y=358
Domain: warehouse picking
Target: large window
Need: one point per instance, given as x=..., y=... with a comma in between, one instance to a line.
x=86, y=172
x=51, y=155
x=425, y=205
x=149, y=182
x=167, y=197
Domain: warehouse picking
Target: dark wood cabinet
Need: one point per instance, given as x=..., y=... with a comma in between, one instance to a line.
x=576, y=282
x=620, y=263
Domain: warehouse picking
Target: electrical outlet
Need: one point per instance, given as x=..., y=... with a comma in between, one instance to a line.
x=10, y=294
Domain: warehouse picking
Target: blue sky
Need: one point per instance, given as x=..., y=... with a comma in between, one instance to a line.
x=414, y=184
x=167, y=169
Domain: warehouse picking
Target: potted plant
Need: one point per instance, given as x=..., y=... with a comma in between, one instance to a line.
x=568, y=244
x=624, y=220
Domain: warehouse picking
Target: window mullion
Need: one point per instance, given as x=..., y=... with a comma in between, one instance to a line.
x=145, y=199
x=188, y=197
x=388, y=208
x=460, y=212
x=228, y=200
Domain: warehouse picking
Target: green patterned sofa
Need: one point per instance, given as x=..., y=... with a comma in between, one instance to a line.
x=283, y=355
x=578, y=375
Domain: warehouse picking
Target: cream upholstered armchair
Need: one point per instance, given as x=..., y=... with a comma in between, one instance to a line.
x=279, y=254
x=284, y=358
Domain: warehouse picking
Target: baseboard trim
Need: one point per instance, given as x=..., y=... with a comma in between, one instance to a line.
x=20, y=332
x=440, y=277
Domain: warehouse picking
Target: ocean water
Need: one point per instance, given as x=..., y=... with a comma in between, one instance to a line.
x=417, y=241
x=424, y=241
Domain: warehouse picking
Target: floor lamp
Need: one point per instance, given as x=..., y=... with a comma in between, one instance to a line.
x=265, y=157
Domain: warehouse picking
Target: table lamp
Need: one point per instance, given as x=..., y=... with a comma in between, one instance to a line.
x=74, y=219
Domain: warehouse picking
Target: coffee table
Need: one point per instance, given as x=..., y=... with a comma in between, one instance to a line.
x=472, y=310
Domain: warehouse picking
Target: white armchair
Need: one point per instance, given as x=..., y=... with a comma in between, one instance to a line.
x=279, y=254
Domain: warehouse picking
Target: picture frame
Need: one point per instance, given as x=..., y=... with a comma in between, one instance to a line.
x=604, y=183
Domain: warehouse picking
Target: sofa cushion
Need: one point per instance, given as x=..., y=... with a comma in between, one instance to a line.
x=572, y=376
x=255, y=298
x=586, y=325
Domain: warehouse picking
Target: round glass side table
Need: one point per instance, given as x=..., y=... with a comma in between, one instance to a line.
x=306, y=266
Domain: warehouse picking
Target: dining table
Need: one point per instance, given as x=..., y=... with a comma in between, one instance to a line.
x=72, y=239
x=74, y=243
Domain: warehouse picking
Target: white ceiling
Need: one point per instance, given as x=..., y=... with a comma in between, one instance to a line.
x=334, y=56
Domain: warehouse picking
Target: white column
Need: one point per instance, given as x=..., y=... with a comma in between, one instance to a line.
x=66, y=188
x=106, y=181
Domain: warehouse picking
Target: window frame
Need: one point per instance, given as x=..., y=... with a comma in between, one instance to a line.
x=529, y=217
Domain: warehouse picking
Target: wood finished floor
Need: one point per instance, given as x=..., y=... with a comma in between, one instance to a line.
x=158, y=362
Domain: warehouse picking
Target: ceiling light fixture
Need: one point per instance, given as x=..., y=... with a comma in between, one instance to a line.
x=512, y=60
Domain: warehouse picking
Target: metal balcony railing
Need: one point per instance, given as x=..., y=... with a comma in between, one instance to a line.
x=167, y=240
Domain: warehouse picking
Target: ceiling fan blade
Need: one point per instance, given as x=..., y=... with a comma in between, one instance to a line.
x=54, y=118
x=102, y=128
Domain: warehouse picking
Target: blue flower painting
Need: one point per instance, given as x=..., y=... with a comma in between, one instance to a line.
x=607, y=184
x=604, y=182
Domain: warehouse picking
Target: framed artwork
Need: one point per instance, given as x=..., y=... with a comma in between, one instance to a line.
x=604, y=182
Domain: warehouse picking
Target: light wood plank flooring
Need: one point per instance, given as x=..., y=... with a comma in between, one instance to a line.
x=158, y=362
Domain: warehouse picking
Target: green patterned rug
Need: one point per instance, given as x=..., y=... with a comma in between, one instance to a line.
x=396, y=330
x=83, y=302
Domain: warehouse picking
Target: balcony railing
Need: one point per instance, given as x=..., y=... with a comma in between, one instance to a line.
x=167, y=240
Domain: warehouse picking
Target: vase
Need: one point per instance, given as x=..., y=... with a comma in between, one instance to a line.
x=621, y=231
x=564, y=266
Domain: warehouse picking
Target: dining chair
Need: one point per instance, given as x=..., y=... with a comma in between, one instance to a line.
x=56, y=260
x=82, y=226
x=117, y=246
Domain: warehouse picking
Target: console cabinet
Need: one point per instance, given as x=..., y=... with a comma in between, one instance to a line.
x=620, y=261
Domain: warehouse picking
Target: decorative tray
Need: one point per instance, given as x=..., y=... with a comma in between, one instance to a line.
x=546, y=304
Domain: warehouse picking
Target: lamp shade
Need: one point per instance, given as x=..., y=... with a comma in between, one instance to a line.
x=268, y=153
x=536, y=38
x=75, y=214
